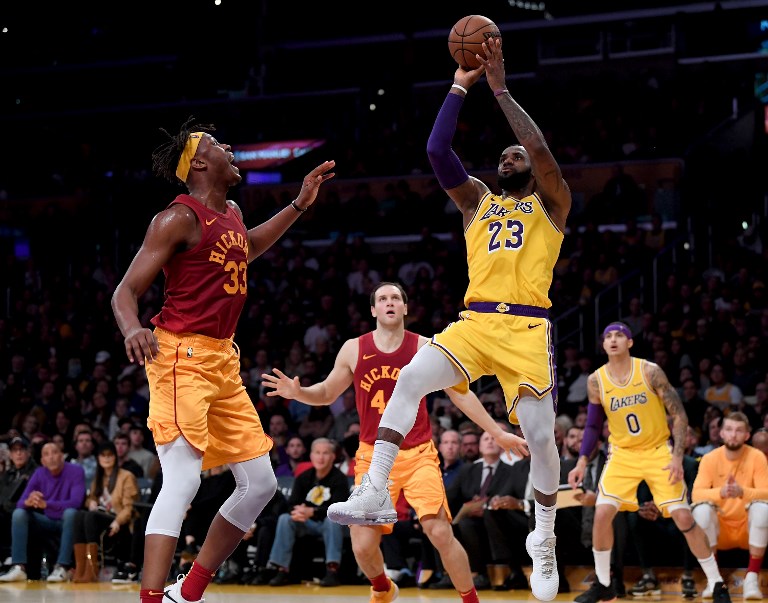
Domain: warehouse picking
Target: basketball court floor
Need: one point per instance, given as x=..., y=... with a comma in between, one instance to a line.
x=579, y=578
x=39, y=592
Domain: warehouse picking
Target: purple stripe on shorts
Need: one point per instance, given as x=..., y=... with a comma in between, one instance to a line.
x=504, y=308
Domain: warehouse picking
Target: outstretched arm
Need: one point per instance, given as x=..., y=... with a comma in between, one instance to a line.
x=263, y=236
x=550, y=185
x=471, y=406
x=319, y=394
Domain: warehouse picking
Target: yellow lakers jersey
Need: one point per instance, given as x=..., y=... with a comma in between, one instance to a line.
x=512, y=247
x=637, y=417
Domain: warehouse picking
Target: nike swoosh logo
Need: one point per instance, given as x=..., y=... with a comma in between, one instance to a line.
x=636, y=384
x=608, y=391
x=534, y=326
x=209, y=222
x=367, y=356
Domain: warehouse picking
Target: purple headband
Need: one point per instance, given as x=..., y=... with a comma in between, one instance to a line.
x=617, y=327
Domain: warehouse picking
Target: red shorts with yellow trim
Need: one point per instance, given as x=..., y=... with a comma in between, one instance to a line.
x=517, y=349
x=416, y=473
x=196, y=391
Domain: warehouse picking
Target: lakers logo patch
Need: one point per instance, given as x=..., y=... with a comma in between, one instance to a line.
x=495, y=211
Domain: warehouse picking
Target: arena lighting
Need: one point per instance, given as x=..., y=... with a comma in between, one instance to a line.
x=262, y=155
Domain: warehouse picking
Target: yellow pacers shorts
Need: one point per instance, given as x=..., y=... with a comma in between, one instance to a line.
x=416, y=473
x=196, y=391
x=733, y=534
x=517, y=349
x=627, y=467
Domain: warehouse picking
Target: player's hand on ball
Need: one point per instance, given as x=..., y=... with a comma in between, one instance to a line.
x=494, y=64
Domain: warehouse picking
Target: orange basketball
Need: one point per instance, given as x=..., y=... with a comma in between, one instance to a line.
x=467, y=37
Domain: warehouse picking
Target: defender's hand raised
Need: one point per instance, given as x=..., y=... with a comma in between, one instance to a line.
x=311, y=184
x=282, y=385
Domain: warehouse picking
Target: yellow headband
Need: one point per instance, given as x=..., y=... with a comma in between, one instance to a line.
x=182, y=170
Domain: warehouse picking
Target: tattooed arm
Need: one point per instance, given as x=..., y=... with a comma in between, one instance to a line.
x=550, y=185
x=663, y=388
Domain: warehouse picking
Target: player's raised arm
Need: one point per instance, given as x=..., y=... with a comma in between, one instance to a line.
x=550, y=184
x=263, y=236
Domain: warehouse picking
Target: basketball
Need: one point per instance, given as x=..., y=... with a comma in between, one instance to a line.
x=467, y=37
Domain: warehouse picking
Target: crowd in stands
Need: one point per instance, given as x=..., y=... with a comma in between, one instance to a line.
x=67, y=391
x=70, y=400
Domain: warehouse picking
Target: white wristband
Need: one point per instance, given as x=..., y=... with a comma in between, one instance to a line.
x=462, y=88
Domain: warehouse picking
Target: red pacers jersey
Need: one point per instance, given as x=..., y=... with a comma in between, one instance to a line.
x=205, y=286
x=375, y=376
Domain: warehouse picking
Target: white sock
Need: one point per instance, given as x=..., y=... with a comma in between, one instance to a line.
x=545, y=520
x=709, y=565
x=603, y=566
x=384, y=454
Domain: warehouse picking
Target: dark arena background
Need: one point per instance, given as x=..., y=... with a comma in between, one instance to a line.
x=656, y=111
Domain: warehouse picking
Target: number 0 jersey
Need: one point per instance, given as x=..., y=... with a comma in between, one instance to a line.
x=375, y=376
x=512, y=248
x=637, y=417
x=205, y=286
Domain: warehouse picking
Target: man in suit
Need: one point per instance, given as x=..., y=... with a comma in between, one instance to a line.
x=491, y=532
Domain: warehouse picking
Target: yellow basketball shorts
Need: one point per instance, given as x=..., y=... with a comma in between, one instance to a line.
x=196, y=391
x=517, y=349
x=627, y=467
x=416, y=473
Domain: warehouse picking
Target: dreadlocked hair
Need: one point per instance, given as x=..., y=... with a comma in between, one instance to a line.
x=166, y=157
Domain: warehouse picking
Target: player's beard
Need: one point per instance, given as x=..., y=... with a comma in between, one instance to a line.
x=515, y=182
x=733, y=447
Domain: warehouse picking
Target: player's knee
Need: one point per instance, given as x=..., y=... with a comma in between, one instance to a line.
x=263, y=490
x=184, y=487
x=605, y=513
x=408, y=381
x=758, y=514
x=440, y=533
x=701, y=514
x=684, y=520
x=364, y=549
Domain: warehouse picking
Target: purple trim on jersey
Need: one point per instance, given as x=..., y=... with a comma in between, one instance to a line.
x=617, y=327
x=446, y=164
x=504, y=308
x=555, y=392
x=593, y=429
